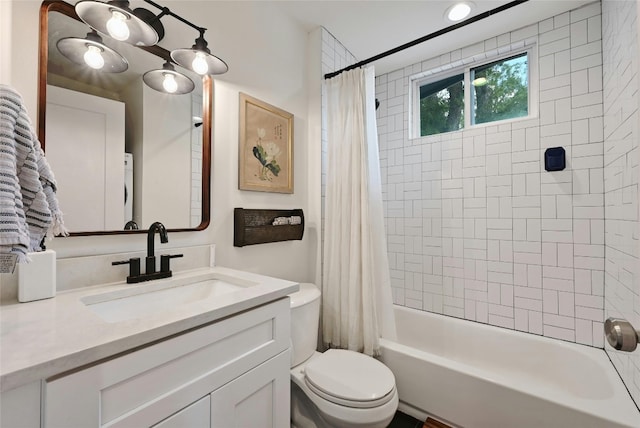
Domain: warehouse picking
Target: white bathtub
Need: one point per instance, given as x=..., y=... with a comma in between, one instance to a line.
x=478, y=376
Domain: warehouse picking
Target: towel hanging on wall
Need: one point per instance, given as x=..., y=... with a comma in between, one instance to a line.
x=28, y=205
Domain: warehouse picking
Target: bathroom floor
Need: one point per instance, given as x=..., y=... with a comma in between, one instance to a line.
x=402, y=420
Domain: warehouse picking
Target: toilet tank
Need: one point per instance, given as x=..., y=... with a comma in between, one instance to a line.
x=305, y=315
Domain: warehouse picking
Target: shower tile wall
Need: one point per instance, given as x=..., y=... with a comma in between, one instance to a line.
x=196, y=164
x=476, y=228
x=620, y=76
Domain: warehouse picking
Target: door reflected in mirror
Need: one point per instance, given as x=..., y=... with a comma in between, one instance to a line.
x=124, y=155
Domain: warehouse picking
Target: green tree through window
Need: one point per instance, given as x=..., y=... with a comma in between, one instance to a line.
x=500, y=90
x=442, y=106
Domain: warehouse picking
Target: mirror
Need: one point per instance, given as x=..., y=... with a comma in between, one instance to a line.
x=122, y=152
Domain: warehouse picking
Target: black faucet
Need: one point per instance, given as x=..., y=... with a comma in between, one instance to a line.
x=150, y=262
x=151, y=254
x=131, y=225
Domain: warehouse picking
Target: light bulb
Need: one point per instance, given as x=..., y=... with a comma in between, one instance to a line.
x=169, y=83
x=459, y=12
x=117, y=26
x=199, y=64
x=93, y=57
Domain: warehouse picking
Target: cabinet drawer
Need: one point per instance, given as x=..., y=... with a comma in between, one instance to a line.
x=145, y=386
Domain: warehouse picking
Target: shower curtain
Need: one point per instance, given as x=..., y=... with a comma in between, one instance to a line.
x=356, y=290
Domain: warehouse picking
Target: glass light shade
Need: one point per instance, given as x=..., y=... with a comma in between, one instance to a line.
x=168, y=80
x=458, y=12
x=110, y=19
x=86, y=52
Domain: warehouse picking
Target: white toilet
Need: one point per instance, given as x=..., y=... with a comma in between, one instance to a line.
x=337, y=388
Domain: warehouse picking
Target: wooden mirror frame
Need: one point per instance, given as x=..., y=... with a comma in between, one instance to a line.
x=207, y=108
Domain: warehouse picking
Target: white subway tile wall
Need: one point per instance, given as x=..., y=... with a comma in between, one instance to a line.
x=476, y=227
x=196, y=164
x=621, y=158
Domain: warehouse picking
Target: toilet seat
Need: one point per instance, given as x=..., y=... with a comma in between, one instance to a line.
x=350, y=379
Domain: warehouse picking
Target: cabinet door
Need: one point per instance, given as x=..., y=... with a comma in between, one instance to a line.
x=20, y=407
x=146, y=386
x=259, y=398
x=197, y=415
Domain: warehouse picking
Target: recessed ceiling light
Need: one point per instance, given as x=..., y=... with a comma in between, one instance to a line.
x=458, y=12
x=480, y=81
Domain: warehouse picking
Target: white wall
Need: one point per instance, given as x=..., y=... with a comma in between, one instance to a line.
x=476, y=228
x=267, y=56
x=314, y=155
x=196, y=164
x=5, y=40
x=620, y=32
x=166, y=155
x=95, y=201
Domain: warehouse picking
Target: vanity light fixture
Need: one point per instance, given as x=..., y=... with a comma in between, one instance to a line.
x=93, y=52
x=168, y=80
x=138, y=27
x=458, y=11
x=199, y=58
x=141, y=27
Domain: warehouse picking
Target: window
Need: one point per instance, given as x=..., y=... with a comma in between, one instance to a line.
x=500, y=90
x=495, y=91
x=442, y=106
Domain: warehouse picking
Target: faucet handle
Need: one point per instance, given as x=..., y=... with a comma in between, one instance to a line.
x=134, y=266
x=164, y=261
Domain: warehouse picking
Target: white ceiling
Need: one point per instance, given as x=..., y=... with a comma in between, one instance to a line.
x=369, y=27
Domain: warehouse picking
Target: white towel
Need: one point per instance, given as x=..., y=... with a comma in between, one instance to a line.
x=28, y=204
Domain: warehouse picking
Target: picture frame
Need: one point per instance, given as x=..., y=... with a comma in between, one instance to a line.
x=265, y=158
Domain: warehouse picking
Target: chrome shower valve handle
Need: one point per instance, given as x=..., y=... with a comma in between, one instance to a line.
x=621, y=335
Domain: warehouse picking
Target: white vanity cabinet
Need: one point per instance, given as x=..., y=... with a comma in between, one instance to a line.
x=196, y=415
x=233, y=372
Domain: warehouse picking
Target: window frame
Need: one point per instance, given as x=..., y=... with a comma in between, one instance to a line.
x=433, y=79
x=418, y=80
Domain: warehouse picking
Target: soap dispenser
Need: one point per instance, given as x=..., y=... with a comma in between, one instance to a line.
x=37, y=278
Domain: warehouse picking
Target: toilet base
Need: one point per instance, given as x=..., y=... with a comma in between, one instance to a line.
x=304, y=414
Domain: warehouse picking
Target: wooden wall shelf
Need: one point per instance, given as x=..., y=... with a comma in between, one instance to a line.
x=254, y=226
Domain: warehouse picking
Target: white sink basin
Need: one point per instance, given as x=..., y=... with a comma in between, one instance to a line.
x=139, y=301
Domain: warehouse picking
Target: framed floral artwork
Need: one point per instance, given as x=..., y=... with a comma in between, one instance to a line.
x=266, y=147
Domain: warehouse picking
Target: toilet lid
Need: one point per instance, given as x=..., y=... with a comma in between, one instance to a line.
x=350, y=378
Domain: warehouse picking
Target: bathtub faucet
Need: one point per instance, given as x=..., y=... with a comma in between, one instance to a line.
x=621, y=335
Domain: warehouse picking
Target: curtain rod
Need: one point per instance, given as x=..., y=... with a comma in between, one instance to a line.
x=428, y=37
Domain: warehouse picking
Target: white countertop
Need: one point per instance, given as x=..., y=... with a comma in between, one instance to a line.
x=48, y=337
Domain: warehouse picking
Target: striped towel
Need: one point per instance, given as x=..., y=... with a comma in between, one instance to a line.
x=28, y=205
